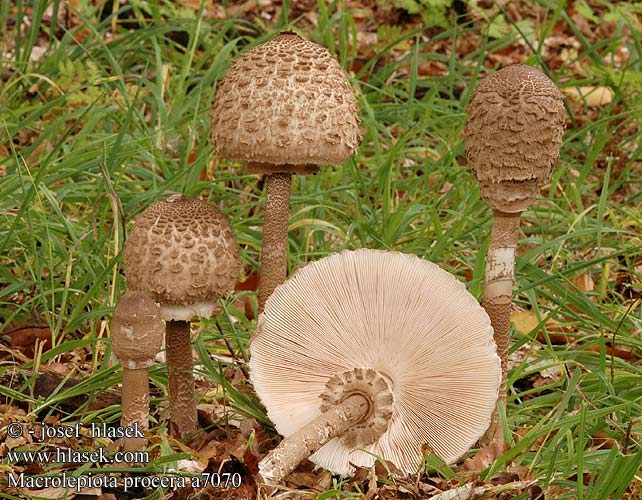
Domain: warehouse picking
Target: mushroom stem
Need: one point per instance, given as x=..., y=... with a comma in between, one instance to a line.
x=135, y=405
x=182, y=403
x=294, y=449
x=498, y=297
x=274, y=251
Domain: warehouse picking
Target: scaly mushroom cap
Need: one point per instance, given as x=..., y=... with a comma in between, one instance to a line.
x=285, y=106
x=405, y=318
x=182, y=252
x=136, y=330
x=513, y=135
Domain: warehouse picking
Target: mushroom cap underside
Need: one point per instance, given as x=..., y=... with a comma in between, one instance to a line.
x=182, y=252
x=286, y=102
x=394, y=313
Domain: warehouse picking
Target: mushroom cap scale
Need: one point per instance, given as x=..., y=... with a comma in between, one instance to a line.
x=513, y=135
x=286, y=105
x=136, y=330
x=182, y=252
x=394, y=313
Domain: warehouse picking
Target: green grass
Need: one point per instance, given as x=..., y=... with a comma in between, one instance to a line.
x=101, y=125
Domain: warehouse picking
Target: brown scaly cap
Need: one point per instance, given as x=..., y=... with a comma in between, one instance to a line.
x=136, y=330
x=182, y=252
x=285, y=106
x=513, y=135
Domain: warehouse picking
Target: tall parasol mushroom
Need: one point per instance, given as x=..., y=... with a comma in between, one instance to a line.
x=183, y=254
x=373, y=350
x=284, y=108
x=136, y=337
x=512, y=138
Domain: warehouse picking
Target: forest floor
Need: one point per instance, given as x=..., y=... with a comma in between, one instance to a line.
x=105, y=109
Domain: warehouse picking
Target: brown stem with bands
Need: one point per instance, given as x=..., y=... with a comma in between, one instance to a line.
x=498, y=297
x=281, y=461
x=182, y=402
x=274, y=251
x=135, y=406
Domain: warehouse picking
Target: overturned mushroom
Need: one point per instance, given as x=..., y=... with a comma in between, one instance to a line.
x=182, y=252
x=512, y=138
x=391, y=353
x=284, y=108
x=136, y=338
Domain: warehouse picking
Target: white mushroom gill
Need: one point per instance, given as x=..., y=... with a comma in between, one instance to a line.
x=398, y=314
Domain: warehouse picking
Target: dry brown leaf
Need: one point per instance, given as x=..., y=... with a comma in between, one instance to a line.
x=485, y=457
x=52, y=493
x=251, y=284
x=311, y=480
x=522, y=472
x=261, y=442
x=525, y=321
x=26, y=337
x=601, y=440
x=593, y=96
x=584, y=282
x=622, y=352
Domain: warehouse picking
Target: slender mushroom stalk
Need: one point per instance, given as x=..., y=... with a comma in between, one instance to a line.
x=136, y=336
x=512, y=138
x=182, y=400
x=364, y=403
x=284, y=107
x=392, y=353
x=498, y=290
x=182, y=252
x=274, y=251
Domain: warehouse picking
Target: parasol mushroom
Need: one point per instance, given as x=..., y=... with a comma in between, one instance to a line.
x=391, y=353
x=284, y=107
x=136, y=338
x=512, y=139
x=183, y=254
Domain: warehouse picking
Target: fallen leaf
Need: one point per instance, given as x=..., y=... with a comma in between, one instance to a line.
x=592, y=96
x=484, y=457
x=584, y=282
x=191, y=466
x=250, y=284
x=601, y=440
x=52, y=493
x=26, y=337
x=464, y=492
x=618, y=351
x=525, y=321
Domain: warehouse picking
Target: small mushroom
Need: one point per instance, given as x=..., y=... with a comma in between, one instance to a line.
x=512, y=139
x=136, y=337
x=391, y=354
x=183, y=254
x=284, y=107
